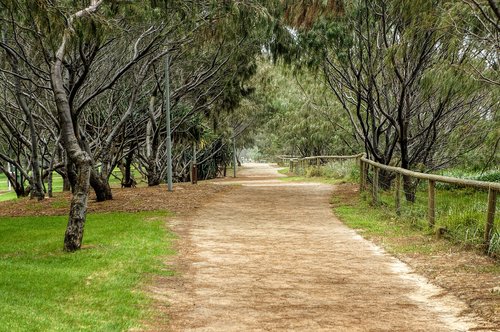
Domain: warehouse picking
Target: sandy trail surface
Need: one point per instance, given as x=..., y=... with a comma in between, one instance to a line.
x=271, y=256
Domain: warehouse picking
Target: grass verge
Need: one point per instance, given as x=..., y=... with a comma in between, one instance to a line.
x=460, y=216
x=292, y=177
x=96, y=289
x=397, y=236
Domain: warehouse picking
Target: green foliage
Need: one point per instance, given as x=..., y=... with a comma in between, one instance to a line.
x=489, y=176
x=95, y=289
x=302, y=120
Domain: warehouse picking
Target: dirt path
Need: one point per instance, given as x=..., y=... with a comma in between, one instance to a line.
x=271, y=256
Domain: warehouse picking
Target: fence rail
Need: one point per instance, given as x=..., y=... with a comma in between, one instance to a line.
x=492, y=187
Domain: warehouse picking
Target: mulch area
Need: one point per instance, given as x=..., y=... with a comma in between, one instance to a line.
x=184, y=198
x=467, y=274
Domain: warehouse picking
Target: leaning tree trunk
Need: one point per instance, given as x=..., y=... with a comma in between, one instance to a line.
x=76, y=155
x=16, y=185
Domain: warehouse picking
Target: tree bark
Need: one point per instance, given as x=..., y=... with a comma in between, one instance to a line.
x=154, y=177
x=78, y=157
x=101, y=187
x=78, y=209
x=385, y=179
x=128, y=180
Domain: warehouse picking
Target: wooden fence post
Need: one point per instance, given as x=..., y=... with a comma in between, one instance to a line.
x=366, y=167
x=362, y=178
x=398, y=193
x=432, y=203
x=375, y=186
x=318, y=160
x=490, y=219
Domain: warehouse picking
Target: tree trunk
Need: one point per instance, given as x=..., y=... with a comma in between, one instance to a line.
x=101, y=186
x=78, y=209
x=71, y=174
x=410, y=188
x=385, y=179
x=128, y=180
x=66, y=182
x=16, y=185
x=36, y=176
x=154, y=177
x=49, y=184
x=153, y=171
x=76, y=155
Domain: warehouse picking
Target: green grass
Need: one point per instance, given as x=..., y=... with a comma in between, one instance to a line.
x=329, y=174
x=397, y=235
x=7, y=196
x=97, y=288
x=317, y=179
x=460, y=214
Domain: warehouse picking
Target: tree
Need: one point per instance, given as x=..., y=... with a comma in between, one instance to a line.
x=399, y=82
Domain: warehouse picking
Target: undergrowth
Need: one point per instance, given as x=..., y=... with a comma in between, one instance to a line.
x=460, y=216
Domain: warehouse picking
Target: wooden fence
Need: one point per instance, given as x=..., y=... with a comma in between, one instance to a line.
x=295, y=163
x=365, y=164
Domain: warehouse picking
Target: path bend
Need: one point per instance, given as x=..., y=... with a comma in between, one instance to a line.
x=271, y=256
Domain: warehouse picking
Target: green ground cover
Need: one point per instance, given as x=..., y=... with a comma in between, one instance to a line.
x=460, y=215
x=97, y=288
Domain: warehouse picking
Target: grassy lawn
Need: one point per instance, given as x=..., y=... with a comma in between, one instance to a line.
x=96, y=289
x=7, y=196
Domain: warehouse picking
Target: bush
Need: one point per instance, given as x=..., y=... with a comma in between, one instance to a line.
x=490, y=177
